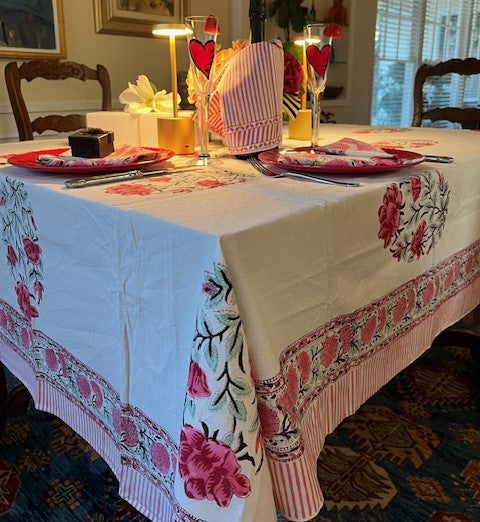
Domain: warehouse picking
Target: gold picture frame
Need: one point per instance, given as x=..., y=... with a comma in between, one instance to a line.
x=137, y=17
x=38, y=33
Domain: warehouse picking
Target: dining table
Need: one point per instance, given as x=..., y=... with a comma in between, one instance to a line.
x=205, y=330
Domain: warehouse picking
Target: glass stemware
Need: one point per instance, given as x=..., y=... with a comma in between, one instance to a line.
x=318, y=47
x=202, y=37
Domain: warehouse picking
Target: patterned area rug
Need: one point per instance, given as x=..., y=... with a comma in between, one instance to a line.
x=411, y=453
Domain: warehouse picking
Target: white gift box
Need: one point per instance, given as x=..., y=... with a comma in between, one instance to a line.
x=133, y=129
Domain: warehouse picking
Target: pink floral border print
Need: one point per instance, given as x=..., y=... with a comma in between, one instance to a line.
x=322, y=356
x=179, y=183
x=24, y=254
x=413, y=214
x=221, y=433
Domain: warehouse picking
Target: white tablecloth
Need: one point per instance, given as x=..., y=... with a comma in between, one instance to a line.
x=167, y=319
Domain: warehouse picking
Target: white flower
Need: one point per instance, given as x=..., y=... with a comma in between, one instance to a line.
x=143, y=98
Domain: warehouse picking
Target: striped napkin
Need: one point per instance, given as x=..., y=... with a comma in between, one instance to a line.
x=246, y=106
x=123, y=155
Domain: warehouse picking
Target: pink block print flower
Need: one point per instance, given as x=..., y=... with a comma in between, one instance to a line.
x=23, y=299
x=400, y=309
x=32, y=250
x=210, y=183
x=130, y=432
x=197, y=385
x=304, y=362
x=368, y=330
x=346, y=338
x=329, y=352
x=428, y=293
x=210, y=469
x=389, y=214
x=117, y=420
x=211, y=289
x=26, y=338
x=160, y=457
x=125, y=189
x=98, y=395
x=51, y=360
x=268, y=420
x=416, y=246
x=471, y=262
x=11, y=255
x=415, y=187
x=3, y=319
x=293, y=383
x=38, y=289
x=84, y=387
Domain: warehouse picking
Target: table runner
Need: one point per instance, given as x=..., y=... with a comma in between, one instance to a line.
x=167, y=319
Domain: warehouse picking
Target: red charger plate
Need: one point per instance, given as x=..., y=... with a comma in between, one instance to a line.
x=28, y=160
x=270, y=157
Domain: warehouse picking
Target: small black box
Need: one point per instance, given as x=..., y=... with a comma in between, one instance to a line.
x=91, y=143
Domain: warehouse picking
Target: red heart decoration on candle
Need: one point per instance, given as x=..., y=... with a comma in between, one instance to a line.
x=318, y=58
x=202, y=55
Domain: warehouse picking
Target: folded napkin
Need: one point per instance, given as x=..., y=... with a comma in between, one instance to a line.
x=123, y=155
x=246, y=105
x=346, y=152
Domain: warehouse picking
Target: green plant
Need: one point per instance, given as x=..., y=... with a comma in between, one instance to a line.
x=290, y=14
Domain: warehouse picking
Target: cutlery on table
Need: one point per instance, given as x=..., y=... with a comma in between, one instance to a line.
x=438, y=159
x=124, y=176
x=260, y=167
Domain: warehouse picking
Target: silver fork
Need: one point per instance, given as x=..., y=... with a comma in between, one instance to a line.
x=260, y=167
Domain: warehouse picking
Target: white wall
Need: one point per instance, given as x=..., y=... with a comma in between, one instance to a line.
x=128, y=56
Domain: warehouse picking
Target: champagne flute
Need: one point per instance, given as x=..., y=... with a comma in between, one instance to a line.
x=202, y=36
x=318, y=47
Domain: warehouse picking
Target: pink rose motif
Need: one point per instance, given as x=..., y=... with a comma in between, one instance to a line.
x=3, y=319
x=428, y=293
x=268, y=420
x=415, y=187
x=293, y=382
x=416, y=246
x=211, y=289
x=389, y=214
x=382, y=319
x=38, y=289
x=23, y=299
x=124, y=189
x=98, y=395
x=292, y=74
x=211, y=183
x=26, y=338
x=329, y=352
x=399, y=310
x=32, y=250
x=369, y=329
x=51, y=360
x=471, y=262
x=84, y=387
x=209, y=469
x=197, y=385
x=305, y=364
x=130, y=432
x=346, y=338
x=160, y=457
x=11, y=255
x=117, y=420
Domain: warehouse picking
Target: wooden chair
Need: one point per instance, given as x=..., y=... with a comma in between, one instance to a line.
x=51, y=70
x=469, y=118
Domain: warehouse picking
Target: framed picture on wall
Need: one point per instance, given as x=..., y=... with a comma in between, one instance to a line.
x=137, y=17
x=31, y=29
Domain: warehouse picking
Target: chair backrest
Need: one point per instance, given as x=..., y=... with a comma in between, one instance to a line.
x=51, y=70
x=469, y=118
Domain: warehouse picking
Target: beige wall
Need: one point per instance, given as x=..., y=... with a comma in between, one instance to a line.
x=128, y=56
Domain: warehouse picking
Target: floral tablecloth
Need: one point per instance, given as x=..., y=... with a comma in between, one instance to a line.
x=205, y=330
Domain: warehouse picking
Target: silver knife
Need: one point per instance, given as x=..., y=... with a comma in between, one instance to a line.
x=124, y=176
x=438, y=159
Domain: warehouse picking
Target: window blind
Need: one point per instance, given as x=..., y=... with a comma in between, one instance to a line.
x=411, y=32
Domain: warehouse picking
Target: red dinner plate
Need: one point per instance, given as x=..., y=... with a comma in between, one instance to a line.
x=270, y=157
x=28, y=160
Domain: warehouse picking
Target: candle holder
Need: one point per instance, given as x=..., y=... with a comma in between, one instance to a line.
x=174, y=133
x=301, y=127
